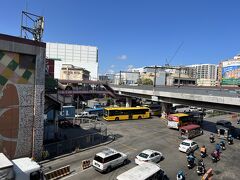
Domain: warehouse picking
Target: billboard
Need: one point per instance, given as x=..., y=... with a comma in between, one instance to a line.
x=231, y=72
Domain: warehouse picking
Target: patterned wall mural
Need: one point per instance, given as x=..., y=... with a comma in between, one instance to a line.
x=16, y=103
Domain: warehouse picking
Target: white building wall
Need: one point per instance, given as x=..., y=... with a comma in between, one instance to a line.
x=77, y=55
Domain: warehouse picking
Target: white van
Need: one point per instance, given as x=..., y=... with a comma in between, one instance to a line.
x=107, y=159
x=145, y=171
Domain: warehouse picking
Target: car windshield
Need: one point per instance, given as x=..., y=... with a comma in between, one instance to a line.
x=143, y=155
x=185, y=144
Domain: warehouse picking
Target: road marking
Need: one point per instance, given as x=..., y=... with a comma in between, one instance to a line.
x=129, y=147
x=75, y=173
x=71, y=175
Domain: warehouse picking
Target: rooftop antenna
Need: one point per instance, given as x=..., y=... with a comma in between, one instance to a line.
x=35, y=28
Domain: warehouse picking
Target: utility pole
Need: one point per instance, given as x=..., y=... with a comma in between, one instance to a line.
x=155, y=74
x=120, y=78
x=179, y=74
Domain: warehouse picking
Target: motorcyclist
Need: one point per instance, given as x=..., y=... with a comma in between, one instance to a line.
x=222, y=145
x=211, y=137
x=201, y=167
x=190, y=159
x=216, y=154
x=218, y=147
x=180, y=175
x=203, y=151
x=230, y=139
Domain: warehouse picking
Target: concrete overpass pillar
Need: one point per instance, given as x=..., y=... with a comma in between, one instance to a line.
x=166, y=107
x=128, y=102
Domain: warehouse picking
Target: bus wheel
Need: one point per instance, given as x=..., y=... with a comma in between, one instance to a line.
x=117, y=118
x=139, y=117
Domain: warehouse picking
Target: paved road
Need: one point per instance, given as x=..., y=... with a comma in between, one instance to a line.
x=137, y=135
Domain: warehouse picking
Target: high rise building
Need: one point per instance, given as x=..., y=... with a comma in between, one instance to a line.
x=77, y=55
x=205, y=71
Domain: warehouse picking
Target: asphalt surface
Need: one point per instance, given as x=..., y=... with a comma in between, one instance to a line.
x=136, y=135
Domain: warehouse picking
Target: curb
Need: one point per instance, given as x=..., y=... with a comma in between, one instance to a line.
x=82, y=150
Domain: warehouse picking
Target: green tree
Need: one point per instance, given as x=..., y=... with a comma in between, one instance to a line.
x=147, y=82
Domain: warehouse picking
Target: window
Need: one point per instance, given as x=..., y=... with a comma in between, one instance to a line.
x=35, y=175
x=143, y=155
x=112, y=157
x=99, y=159
x=152, y=155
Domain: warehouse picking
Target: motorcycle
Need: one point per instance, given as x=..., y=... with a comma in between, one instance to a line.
x=215, y=157
x=200, y=170
x=222, y=145
x=180, y=175
x=211, y=139
x=230, y=140
x=203, y=154
x=190, y=162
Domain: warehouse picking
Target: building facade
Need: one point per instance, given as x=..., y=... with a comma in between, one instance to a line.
x=206, y=74
x=205, y=71
x=70, y=72
x=22, y=89
x=78, y=55
x=125, y=77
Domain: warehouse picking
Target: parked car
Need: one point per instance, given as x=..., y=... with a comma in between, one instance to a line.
x=187, y=146
x=148, y=155
x=108, y=159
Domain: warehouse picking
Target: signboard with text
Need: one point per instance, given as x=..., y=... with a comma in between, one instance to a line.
x=231, y=72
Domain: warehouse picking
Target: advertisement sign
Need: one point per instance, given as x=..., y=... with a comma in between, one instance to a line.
x=231, y=72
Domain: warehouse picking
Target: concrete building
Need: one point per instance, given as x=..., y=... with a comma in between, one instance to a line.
x=207, y=82
x=160, y=76
x=103, y=78
x=130, y=78
x=180, y=76
x=22, y=89
x=206, y=74
x=205, y=71
x=78, y=55
x=70, y=72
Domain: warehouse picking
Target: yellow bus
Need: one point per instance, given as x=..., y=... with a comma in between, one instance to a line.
x=125, y=113
x=155, y=109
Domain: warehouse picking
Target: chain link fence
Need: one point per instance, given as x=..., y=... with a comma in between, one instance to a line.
x=100, y=135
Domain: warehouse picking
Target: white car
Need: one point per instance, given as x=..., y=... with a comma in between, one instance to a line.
x=108, y=159
x=188, y=145
x=148, y=155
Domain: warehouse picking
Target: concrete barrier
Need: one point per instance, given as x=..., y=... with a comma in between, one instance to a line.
x=208, y=175
x=58, y=173
x=86, y=164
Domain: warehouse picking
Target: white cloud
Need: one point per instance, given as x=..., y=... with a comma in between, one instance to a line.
x=112, y=66
x=122, y=57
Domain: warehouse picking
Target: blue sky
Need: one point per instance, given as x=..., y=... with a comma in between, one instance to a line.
x=137, y=33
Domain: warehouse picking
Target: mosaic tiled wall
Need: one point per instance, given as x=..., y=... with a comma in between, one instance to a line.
x=21, y=104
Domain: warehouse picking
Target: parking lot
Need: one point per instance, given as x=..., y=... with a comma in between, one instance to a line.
x=136, y=135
